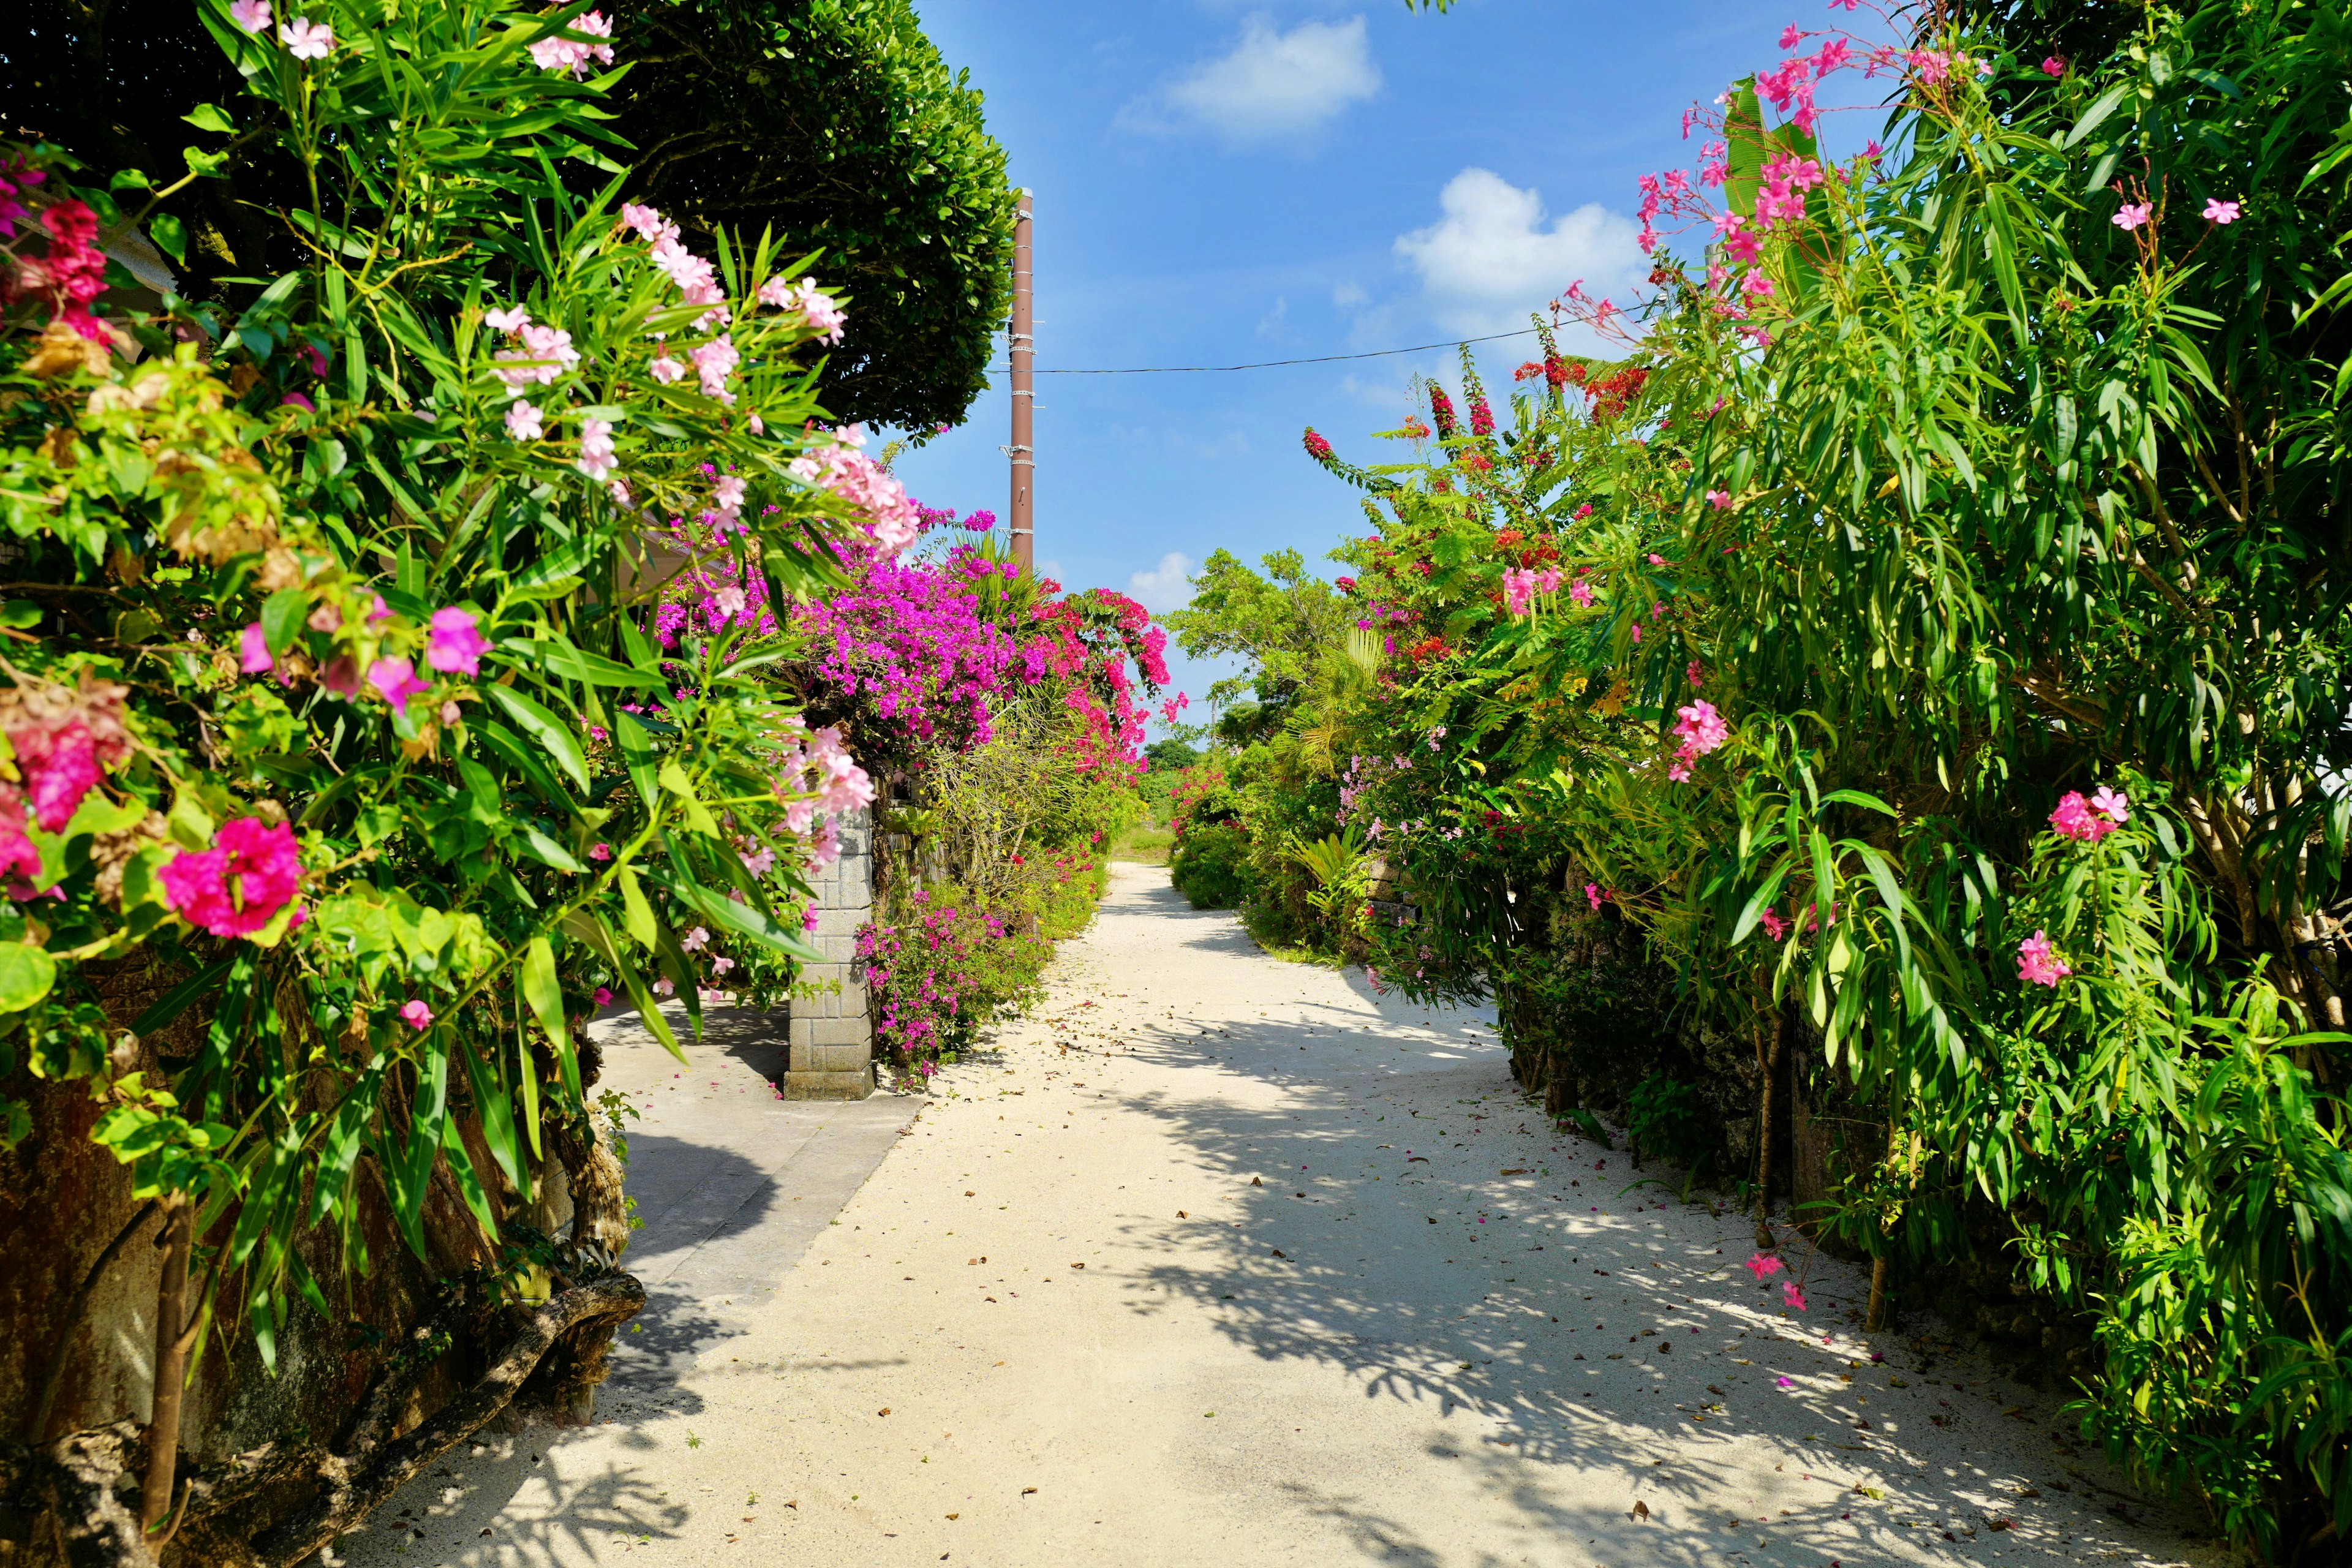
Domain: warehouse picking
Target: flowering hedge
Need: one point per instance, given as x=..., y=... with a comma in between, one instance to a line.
x=336, y=699
x=1918, y=633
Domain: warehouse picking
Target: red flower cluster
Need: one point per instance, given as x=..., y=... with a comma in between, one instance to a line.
x=1440, y=409
x=1316, y=447
x=71, y=275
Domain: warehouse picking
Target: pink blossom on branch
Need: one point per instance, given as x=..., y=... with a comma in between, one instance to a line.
x=456, y=644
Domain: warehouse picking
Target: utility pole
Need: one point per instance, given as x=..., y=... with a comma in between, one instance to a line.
x=1023, y=343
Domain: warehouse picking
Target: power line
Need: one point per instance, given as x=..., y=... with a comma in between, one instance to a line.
x=1273, y=364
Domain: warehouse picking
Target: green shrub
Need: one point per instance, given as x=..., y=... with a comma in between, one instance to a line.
x=1210, y=866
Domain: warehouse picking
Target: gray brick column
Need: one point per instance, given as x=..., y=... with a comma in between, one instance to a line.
x=832, y=1037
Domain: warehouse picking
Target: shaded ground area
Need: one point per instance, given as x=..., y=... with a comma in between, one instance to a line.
x=1223, y=1255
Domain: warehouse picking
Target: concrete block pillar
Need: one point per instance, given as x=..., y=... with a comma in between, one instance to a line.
x=831, y=1054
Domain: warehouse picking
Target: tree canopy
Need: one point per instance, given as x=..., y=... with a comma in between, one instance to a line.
x=835, y=123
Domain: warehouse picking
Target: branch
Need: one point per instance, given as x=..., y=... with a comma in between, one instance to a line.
x=357, y=1483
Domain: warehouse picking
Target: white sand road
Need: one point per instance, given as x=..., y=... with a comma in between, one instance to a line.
x=1219, y=1260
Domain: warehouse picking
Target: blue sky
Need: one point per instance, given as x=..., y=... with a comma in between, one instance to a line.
x=1225, y=183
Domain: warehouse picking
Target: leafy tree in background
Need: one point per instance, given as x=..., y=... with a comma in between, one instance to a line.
x=835, y=123
x=1280, y=623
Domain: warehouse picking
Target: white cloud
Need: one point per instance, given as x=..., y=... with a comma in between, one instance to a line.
x=1348, y=296
x=1273, y=84
x=1491, y=258
x=1164, y=587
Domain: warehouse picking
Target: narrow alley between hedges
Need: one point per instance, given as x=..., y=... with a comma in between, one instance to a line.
x=1217, y=1257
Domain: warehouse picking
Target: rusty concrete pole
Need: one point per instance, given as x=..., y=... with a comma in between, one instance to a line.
x=1024, y=451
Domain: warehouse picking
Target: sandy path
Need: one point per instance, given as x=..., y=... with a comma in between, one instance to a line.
x=1326, y=1255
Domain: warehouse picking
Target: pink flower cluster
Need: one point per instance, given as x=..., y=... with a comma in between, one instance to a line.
x=238, y=886
x=63, y=741
x=1703, y=730
x=73, y=272
x=303, y=38
x=866, y=487
x=557, y=53
x=1521, y=586
x=2038, y=963
x=546, y=353
x=2087, y=822
x=824, y=315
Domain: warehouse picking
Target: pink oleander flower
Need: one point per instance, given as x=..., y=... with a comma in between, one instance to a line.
x=714, y=361
x=1764, y=1265
x=619, y=491
x=721, y=964
x=1719, y=499
x=1774, y=926
x=2112, y=804
x=2132, y=215
x=664, y=369
x=523, y=421
x=456, y=643
x=2219, y=211
x=416, y=1015
x=306, y=39
x=253, y=650
x=1696, y=673
x=2053, y=67
x=396, y=678
x=809, y=918
x=664, y=986
x=696, y=939
x=649, y=224
x=2037, y=964
x=824, y=316
x=1678, y=772
x=1518, y=591
x=1580, y=592
x=2075, y=819
x=511, y=320
x=1593, y=895
x=603, y=996
x=596, y=459
x=727, y=495
x=1701, y=728
x=253, y=15
x=1656, y=559
x=60, y=766
x=601, y=852
x=238, y=886
x=546, y=353
x=1791, y=1295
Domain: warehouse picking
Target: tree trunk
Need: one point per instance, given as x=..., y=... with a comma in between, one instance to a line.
x=1876, y=1319
x=171, y=1366
x=1764, y=1138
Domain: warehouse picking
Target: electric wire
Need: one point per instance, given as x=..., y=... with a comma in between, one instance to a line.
x=1271, y=364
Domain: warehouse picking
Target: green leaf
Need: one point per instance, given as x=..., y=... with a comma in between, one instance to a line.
x=27, y=973
x=210, y=117
x=171, y=236
x=742, y=918
x=494, y=1107
x=535, y=978
x=2098, y=113
x=546, y=729
x=638, y=913
x=697, y=816
x=637, y=756
x=593, y=669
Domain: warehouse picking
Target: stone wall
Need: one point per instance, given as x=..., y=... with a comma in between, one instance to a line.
x=831, y=1033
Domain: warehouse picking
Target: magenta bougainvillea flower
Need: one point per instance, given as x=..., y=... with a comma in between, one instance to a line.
x=396, y=678
x=1764, y=1265
x=238, y=886
x=456, y=644
x=416, y=1015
